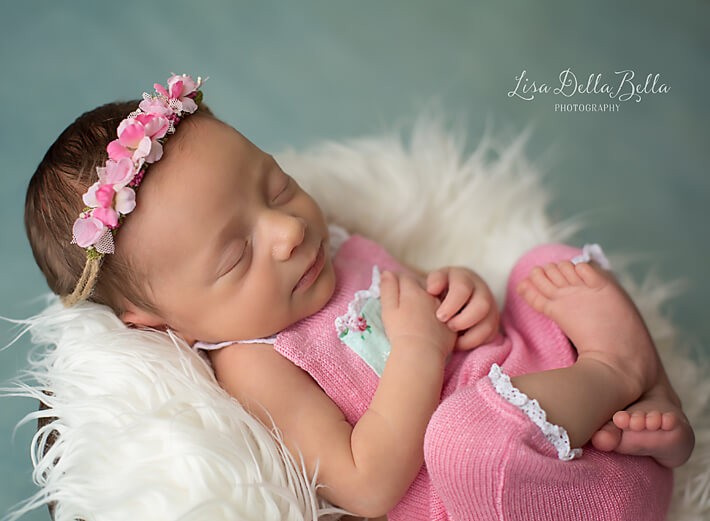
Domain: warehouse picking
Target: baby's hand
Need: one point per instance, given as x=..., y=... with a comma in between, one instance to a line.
x=467, y=306
x=408, y=314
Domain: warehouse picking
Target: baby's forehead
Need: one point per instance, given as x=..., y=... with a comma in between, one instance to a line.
x=208, y=133
x=207, y=159
x=211, y=164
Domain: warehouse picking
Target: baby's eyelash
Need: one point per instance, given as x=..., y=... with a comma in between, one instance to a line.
x=284, y=189
x=238, y=260
x=242, y=254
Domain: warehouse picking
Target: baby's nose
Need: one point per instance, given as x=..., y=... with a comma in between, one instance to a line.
x=287, y=233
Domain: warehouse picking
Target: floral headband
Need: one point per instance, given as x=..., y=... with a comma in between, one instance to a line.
x=140, y=143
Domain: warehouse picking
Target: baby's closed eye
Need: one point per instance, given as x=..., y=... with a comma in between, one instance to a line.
x=234, y=254
x=280, y=187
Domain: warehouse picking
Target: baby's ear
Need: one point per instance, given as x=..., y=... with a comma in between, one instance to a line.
x=136, y=317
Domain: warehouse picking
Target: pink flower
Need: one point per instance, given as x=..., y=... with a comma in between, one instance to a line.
x=181, y=88
x=113, y=204
x=155, y=125
x=157, y=107
x=99, y=195
x=118, y=173
x=87, y=231
x=107, y=216
x=181, y=85
x=89, y=197
x=131, y=141
x=361, y=323
x=104, y=195
x=109, y=202
x=125, y=200
x=135, y=142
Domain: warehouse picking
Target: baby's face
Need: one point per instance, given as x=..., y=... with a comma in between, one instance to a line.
x=234, y=249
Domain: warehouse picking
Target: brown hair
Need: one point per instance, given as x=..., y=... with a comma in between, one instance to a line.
x=54, y=201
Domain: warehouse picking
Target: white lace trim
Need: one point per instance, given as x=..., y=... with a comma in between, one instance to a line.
x=349, y=319
x=555, y=434
x=593, y=252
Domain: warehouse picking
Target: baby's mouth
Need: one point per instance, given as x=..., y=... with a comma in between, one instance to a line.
x=313, y=270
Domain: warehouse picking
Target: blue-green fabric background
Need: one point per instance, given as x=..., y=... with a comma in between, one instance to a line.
x=291, y=73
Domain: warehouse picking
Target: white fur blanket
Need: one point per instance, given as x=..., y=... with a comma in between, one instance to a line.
x=144, y=431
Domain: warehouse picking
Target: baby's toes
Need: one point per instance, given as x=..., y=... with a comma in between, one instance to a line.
x=555, y=274
x=570, y=274
x=530, y=294
x=591, y=277
x=540, y=279
x=654, y=420
x=607, y=438
x=637, y=422
x=669, y=421
x=622, y=419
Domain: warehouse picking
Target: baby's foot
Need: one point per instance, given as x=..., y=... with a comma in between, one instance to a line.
x=654, y=426
x=599, y=318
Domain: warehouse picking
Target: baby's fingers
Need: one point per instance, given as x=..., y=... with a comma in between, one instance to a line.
x=436, y=282
x=475, y=311
x=455, y=299
x=480, y=334
x=389, y=290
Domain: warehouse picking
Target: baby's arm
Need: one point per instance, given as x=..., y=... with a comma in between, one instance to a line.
x=366, y=469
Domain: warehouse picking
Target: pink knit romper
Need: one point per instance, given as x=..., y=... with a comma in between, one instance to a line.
x=484, y=457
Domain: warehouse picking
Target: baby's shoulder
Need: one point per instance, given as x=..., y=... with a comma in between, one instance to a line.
x=237, y=364
x=255, y=373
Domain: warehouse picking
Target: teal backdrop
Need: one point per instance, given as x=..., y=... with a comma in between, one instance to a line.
x=292, y=73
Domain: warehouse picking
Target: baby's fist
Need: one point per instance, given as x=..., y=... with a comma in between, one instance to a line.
x=409, y=314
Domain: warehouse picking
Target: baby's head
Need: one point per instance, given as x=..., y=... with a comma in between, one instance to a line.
x=220, y=244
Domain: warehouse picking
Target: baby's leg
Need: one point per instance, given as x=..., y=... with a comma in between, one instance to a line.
x=594, y=311
x=617, y=362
